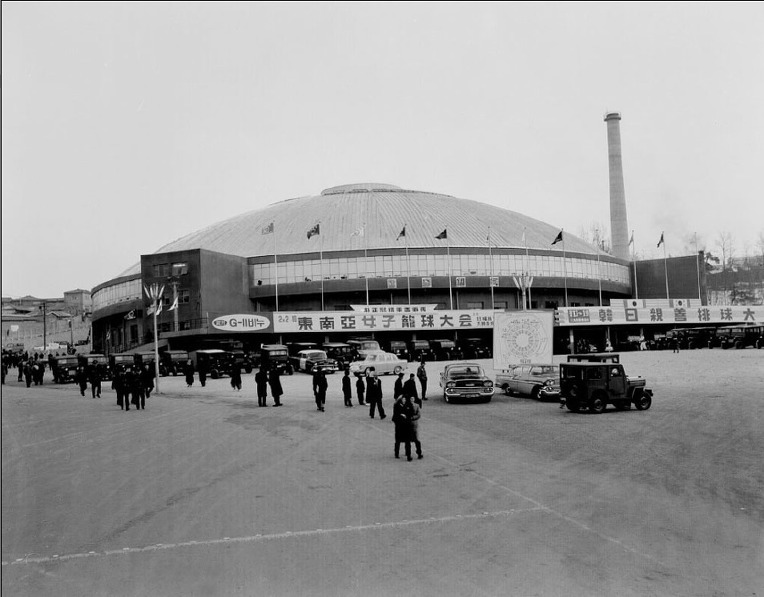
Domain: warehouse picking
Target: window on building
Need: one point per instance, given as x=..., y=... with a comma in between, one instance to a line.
x=475, y=305
x=179, y=269
x=184, y=296
x=161, y=270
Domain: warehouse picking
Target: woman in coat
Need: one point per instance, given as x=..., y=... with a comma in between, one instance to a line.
x=275, y=380
x=188, y=369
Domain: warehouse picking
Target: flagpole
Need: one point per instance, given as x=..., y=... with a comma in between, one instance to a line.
x=490, y=259
x=366, y=261
x=408, y=264
x=527, y=263
x=321, y=256
x=276, y=266
x=697, y=264
x=634, y=259
x=156, y=353
x=599, y=271
x=564, y=269
x=665, y=267
x=448, y=250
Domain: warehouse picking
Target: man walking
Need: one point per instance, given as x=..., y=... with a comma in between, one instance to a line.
x=409, y=389
x=261, y=382
x=319, y=389
x=421, y=374
x=94, y=377
x=401, y=427
x=360, y=388
x=275, y=380
x=412, y=414
x=374, y=393
x=398, y=387
x=347, y=388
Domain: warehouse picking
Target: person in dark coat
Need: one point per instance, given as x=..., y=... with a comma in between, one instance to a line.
x=139, y=396
x=421, y=374
x=28, y=373
x=401, y=427
x=203, y=374
x=94, y=377
x=412, y=415
x=128, y=384
x=119, y=386
x=261, y=382
x=37, y=371
x=188, y=369
x=398, y=387
x=81, y=379
x=409, y=389
x=360, y=389
x=275, y=380
x=374, y=393
x=319, y=389
x=347, y=388
x=147, y=379
x=236, y=376
x=20, y=366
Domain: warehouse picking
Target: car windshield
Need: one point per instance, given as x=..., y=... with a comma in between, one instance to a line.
x=315, y=354
x=277, y=353
x=544, y=371
x=471, y=371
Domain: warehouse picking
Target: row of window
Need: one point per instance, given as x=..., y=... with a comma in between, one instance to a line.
x=130, y=291
x=164, y=270
x=383, y=266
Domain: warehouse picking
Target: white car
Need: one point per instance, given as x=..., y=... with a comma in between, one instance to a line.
x=383, y=362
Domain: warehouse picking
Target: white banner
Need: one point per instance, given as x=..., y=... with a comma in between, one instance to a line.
x=522, y=338
x=348, y=321
x=241, y=323
x=676, y=314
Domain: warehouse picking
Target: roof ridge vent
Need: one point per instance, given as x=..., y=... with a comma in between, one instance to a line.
x=366, y=187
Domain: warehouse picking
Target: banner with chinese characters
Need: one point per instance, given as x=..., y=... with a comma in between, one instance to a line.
x=617, y=315
x=348, y=321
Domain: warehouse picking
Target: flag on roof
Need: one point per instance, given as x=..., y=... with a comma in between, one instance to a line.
x=443, y=234
x=268, y=229
x=315, y=230
x=401, y=233
x=558, y=238
x=660, y=242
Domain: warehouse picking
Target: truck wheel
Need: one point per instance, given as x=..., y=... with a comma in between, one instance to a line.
x=507, y=390
x=535, y=393
x=597, y=404
x=643, y=402
x=214, y=374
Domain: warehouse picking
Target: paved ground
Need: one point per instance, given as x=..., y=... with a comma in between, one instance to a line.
x=204, y=493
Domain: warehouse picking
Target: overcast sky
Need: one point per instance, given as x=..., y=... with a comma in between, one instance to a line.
x=128, y=125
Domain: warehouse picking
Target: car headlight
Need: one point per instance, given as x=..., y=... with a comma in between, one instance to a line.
x=549, y=383
x=451, y=384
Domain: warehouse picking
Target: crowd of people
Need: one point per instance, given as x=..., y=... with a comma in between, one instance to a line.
x=133, y=386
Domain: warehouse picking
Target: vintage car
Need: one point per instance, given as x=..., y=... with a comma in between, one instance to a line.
x=360, y=347
x=445, y=350
x=399, y=349
x=740, y=336
x=420, y=350
x=171, y=362
x=475, y=348
x=313, y=360
x=275, y=357
x=466, y=381
x=593, y=385
x=64, y=368
x=541, y=382
x=383, y=362
x=340, y=352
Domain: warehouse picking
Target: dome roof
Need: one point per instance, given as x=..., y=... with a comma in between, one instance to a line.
x=381, y=211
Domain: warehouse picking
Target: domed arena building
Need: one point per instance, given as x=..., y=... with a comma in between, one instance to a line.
x=363, y=249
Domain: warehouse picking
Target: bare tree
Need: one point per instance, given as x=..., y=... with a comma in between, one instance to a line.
x=597, y=234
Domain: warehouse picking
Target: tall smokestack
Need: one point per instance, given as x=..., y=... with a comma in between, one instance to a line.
x=619, y=226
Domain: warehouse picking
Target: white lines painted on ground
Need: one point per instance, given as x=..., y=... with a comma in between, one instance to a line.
x=29, y=559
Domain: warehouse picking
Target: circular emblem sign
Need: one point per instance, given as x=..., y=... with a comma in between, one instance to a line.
x=241, y=323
